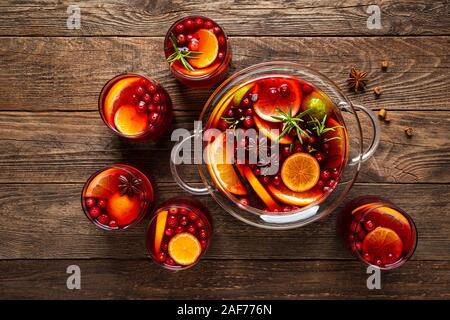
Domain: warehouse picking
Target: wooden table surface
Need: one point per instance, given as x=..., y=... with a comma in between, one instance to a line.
x=52, y=139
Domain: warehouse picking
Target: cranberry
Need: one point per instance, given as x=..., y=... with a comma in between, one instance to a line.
x=298, y=147
x=151, y=88
x=200, y=223
x=179, y=229
x=307, y=89
x=181, y=39
x=221, y=40
x=101, y=203
x=378, y=262
x=161, y=256
x=154, y=117
x=319, y=156
x=265, y=179
x=151, y=107
x=304, y=137
x=355, y=227
x=248, y=122
x=320, y=184
x=216, y=30
x=325, y=147
x=156, y=98
x=164, y=246
x=335, y=173
x=172, y=221
x=141, y=107
x=223, y=125
x=192, y=216
x=325, y=175
x=179, y=28
x=184, y=221
x=144, y=82
x=140, y=91
x=184, y=211
x=284, y=90
x=276, y=180
x=189, y=24
x=311, y=140
x=366, y=257
x=240, y=112
x=199, y=22
x=208, y=24
x=203, y=233
x=113, y=224
x=193, y=45
x=189, y=37
x=245, y=102
x=169, y=261
x=249, y=112
x=331, y=183
x=203, y=243
x=220, y=55
x=169, y=232
x=368, y=225
x=173, y=210
x=90, y=202
x=230, y=113
x=286, y=151
x=191, y=229
x=286, y=209
x=358, y=245
x=135, y=97
x=103, y=219
x=94, y=212
x=273, y=93
x=244, y=201
x=257, y=172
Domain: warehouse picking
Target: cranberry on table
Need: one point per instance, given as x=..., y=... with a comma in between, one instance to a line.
x=90, y=202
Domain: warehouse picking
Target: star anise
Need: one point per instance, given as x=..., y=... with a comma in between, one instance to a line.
x=357, y=79
x=129, y=185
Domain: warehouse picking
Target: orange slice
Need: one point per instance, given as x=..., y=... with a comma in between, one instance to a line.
x=220, y=167
x=338, y=147
x=208, y=45
x=113, y=98
x=103, y=185
x=159, y=229
x=300, y=172
x=285, y=195
x=259, y=188
x=184, y=248
x=383, y=243
x=123, y=209
x=267, y=129
x=128, y=121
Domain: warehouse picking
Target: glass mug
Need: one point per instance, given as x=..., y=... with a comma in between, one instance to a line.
x=291, y=86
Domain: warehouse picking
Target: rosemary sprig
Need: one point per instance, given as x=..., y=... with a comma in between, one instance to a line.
x=320, y=128
x=181, y=55
x=233, y=122
x=292, y=123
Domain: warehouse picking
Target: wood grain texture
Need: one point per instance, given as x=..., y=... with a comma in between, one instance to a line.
x=67, y=74
x=268, y=17
x=69, y=146
x=228, y=279
x=45, y=221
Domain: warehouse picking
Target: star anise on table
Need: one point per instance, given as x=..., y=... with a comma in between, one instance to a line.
x=129, y=185
x=357, y=79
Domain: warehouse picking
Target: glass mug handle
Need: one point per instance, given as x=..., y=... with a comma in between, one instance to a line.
x=375, y=136
x=174, y=169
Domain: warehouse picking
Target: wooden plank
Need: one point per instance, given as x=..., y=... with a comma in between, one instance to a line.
x=45, y=221
x=253, y=18
x=67, y=74
x=230, y=279
x=70, y=146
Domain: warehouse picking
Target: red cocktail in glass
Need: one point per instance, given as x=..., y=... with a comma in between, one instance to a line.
x=135, y=107
x=117, y=197
x=198, y=51
x=377, y=232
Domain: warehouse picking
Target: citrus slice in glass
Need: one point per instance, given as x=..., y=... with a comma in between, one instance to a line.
x=300, y=172
x=185, y=249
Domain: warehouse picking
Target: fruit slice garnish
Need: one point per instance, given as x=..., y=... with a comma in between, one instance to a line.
x=220, y=167
x=267, y=104
x=268, y=129
x=118, y=95
x=285, y=195
x=337, y=144
x=383, y=243
x=390, y=218
x=104, y=184
x=239, y=95
x=258, y=188
x=300, y=172
x=129, y=121
x=319, y=104
x=184, y=248
x=123, y=208
x=208, y=46
x=159, y=229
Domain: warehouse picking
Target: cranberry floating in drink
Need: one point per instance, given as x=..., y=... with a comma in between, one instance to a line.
x=117, y=197
x=198, y=51
x=377, y=232
x=135, y=107
x=179, y=233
